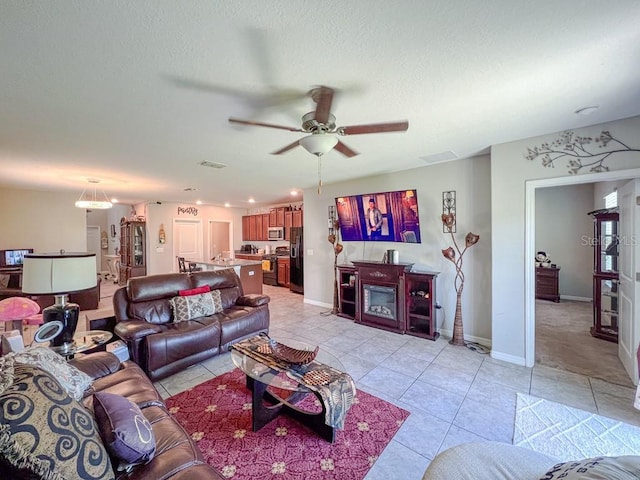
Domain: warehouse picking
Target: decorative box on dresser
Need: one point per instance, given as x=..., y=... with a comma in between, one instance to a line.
x=133, y=262
x=547, y=283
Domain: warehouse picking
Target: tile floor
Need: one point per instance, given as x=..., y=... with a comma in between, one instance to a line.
x=454, y=395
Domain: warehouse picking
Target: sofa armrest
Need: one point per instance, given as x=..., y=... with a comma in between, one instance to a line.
x=131, y=330
x=97, y=365
x=253, y=300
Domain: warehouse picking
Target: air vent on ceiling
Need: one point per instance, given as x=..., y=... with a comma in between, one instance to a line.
x=190, y=189
x=439, y=157
x=212, y=164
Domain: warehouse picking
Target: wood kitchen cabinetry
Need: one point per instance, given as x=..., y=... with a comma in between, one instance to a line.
x=133, y=247
x=288, y=223
x=548, y=283
x=256, y=227
x=283, y=271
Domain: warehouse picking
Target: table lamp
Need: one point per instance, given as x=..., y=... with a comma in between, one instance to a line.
x=60, y=274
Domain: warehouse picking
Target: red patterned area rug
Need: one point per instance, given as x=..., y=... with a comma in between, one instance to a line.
x=217, y=415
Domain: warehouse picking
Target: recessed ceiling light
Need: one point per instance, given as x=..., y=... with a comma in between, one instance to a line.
x=587, y=110
x=294, y=193
x=227, y=204
x=114, y=200
x=198, y=202
x=251, y=200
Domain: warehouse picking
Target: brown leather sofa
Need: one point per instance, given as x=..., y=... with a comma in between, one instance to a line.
x=177, y=457
x=144, y=320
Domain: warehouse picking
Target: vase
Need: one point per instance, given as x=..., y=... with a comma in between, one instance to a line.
x=458, y=333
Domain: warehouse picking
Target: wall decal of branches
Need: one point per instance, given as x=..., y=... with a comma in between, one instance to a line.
x=581, y=151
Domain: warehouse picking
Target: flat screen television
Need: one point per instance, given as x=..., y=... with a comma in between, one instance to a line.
x=13, y=258
x=379, y=217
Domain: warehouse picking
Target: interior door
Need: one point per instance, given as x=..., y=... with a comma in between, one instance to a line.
x=187, y=234
x=629, y=288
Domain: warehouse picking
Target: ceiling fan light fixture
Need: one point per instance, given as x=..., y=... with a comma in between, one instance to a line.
x=318, y=143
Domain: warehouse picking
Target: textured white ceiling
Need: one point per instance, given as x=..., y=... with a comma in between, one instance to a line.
x=94, y=89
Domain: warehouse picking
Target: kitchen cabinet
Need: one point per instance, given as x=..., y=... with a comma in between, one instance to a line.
x=132, y=250
x=265, y=227
x=347, y=292
x=297, y=218
x=605, y=274
x=288, y=223
x=258, y=227
x=280, y=216
x=548, y=283
x=273, y=217
x=284, y=264
x=245, y=227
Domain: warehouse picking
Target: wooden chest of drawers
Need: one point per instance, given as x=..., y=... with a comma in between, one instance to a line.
x=547, y=284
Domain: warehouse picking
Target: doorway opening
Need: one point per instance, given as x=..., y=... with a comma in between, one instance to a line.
x=530, y=241
x=220, y=239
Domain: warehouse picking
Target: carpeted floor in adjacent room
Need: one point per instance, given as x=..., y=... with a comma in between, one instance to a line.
x=563, y=341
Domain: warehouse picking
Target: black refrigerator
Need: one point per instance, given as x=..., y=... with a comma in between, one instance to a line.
x=296, y=251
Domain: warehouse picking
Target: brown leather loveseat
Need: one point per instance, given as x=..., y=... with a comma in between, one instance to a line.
x=176, y=456
x=145, y=320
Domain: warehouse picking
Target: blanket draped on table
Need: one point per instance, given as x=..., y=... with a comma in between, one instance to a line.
x=337, y=390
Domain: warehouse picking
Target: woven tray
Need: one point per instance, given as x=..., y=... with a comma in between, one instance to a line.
x=292, y=355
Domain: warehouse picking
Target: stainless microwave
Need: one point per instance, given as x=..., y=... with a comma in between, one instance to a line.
x=276, y=233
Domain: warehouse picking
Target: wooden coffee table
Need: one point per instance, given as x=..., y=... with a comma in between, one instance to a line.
x=277, y=389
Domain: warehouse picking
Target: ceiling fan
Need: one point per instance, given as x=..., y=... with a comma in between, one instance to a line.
x=322, y=127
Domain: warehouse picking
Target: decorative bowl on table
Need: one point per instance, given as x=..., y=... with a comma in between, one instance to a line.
x=292, y=355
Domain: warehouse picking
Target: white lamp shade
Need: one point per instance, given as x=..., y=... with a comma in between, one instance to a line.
x=58, y=273
x=319, y=143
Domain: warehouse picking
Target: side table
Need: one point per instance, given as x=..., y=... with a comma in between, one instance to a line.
x=83, y=341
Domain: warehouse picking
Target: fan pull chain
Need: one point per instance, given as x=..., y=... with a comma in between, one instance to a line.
x=319, y=174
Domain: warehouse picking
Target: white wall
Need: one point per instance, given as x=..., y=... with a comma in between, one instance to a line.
x=470, y=178
x=510, y=171
x=562, y=225
x=160, y=258
x=44, y=221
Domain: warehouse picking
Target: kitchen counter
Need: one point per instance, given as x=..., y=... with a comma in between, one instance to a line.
x=249, y=271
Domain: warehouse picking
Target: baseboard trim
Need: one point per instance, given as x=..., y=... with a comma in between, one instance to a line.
x=469, y=338
x=318, y=304
x=577, y=299
x=505, y=357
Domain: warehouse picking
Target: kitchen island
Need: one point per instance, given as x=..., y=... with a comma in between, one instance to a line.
x=249, y=271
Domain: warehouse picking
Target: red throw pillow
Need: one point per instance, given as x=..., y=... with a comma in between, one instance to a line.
x=194, y=291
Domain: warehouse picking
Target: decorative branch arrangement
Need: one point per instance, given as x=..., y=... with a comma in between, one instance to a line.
x=448, y=221
x=576, y=148
x=337, y=249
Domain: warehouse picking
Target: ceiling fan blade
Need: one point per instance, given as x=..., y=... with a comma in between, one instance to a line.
x=323, y=96
x=287, y=148
x=343, y=149
x=373, y=128
x=262, y=124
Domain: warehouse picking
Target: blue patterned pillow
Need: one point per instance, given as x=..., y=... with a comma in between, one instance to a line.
x=46, y=434
x=126, y=432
